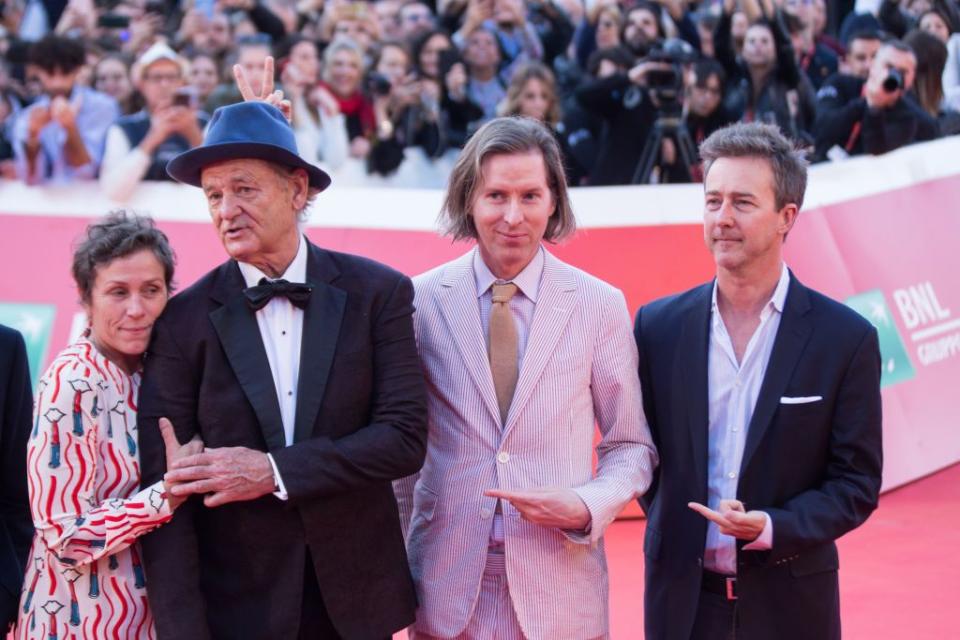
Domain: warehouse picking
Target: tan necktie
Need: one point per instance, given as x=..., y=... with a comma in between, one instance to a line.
x=503, y=347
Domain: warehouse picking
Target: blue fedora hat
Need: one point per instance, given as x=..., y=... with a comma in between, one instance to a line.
x=245, y=130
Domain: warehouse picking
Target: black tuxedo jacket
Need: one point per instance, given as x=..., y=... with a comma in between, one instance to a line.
x=237, y=571
x=16, y=527
x=814, y=467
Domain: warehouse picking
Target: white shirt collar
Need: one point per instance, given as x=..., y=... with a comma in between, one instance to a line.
x=527, y=281
x=777, y=300
x=296, y=272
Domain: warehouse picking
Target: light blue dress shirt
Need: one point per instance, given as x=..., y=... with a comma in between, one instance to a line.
x=733, y=388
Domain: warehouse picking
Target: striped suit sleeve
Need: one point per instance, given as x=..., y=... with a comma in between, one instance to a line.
x=403, y=491
x=626, y=456
x=69, y=466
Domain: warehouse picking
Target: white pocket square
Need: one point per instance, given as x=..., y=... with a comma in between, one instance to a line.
x=800, y=399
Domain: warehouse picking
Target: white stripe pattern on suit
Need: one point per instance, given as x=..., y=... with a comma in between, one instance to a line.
x=579, y=369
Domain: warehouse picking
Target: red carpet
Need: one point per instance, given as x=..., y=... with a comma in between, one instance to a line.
x=899, y=573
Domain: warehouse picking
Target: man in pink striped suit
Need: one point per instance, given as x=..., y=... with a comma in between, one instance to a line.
x=523, y=355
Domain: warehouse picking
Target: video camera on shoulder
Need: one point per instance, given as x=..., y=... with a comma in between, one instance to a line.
x=667, y=84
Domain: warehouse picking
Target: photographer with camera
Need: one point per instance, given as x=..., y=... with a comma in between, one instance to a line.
x=618, y=98
x=407, y=111
x=140, y=145
x=875, y=115
x=641, y=108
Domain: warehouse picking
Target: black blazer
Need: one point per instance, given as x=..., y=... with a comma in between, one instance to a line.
x=237, y=571
x=16, y=526
x=814, y=468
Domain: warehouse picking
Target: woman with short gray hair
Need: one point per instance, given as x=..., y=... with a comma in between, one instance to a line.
x=82, y=459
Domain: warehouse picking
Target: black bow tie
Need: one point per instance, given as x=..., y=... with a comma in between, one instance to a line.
x=260, y=295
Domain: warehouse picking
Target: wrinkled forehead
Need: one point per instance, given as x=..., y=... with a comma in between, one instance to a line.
x=739, y=174
x=237, y=169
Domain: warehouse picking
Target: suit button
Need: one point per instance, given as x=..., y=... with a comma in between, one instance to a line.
x=503, y=457
x=485, y=513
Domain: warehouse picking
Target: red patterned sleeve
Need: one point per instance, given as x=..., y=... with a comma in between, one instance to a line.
x=83, y=466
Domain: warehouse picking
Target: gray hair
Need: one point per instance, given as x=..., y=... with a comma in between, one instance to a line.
x=505, y=136
x=340, y=43
x=118, y=234
x=758, y=140
x=285, y=173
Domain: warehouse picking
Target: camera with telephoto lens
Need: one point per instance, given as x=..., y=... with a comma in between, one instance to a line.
x=667, y=84
x=378, y=84
x=893, y=82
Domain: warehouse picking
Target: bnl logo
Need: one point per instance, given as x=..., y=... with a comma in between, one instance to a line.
x=922, y=315
x=893, y=353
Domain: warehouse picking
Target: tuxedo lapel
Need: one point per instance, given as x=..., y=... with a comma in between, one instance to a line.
x=555, y=302
x=321, y=329
x=692, y=394
x=457, y=298
x=792, y=336
x=236, y=327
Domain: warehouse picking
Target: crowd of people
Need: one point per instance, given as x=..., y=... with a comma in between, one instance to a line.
x=387, y=92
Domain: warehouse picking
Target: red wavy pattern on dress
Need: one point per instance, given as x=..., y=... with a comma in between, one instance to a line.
x=89, y=509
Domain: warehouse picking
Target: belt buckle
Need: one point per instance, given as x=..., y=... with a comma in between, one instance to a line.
x=731, y=588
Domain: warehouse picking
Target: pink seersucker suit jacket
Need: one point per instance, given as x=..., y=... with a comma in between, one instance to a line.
x=579, y=370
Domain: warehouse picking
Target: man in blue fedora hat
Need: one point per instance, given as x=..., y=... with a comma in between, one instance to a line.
x=298, y=368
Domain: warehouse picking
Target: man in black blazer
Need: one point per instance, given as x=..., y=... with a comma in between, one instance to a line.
x=763, y=397
x=16, y=528
x=298, y=368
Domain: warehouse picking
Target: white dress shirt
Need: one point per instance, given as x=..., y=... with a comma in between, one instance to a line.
x=522, y=306
x=733, y=389
x=281, y=329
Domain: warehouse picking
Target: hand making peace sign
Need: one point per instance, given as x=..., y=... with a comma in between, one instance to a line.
x=267, y=93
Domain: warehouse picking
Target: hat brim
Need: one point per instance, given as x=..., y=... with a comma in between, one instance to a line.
x=188, y=166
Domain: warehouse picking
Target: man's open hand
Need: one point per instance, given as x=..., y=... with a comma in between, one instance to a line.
x=547, y=506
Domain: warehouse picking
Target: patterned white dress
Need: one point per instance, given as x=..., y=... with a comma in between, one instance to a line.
x=84, y=578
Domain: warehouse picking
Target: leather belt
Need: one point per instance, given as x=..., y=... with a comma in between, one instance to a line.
x=719, y=584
